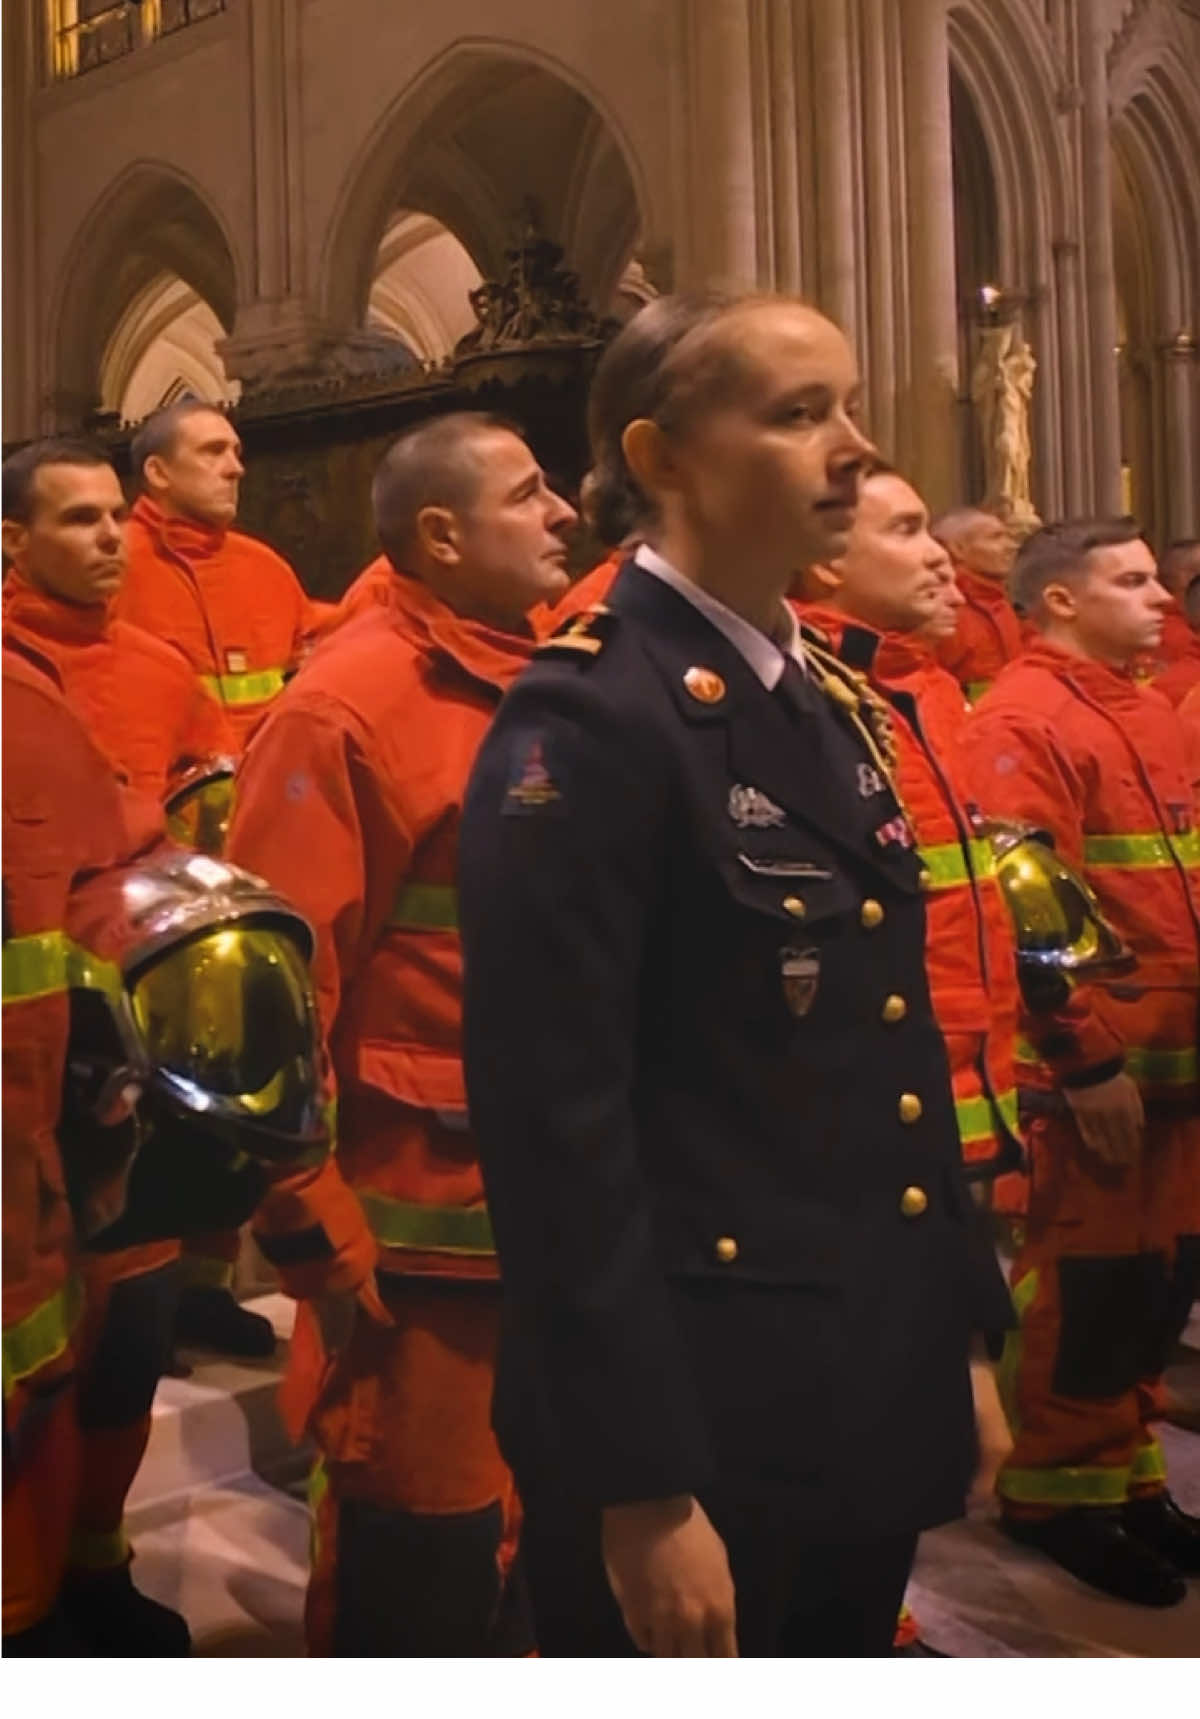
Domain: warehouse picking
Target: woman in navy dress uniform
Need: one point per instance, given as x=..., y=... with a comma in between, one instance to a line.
x=743, y=1276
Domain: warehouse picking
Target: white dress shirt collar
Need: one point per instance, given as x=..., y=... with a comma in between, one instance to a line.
x=764, y=656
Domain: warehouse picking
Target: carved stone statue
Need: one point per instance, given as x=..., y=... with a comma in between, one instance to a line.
x=1002, y=388
x=537, y=300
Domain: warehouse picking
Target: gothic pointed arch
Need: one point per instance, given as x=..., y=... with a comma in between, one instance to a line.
x=482, y=129
x=153, y=222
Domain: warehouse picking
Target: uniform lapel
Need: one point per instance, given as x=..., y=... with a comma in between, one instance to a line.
x=776, y=742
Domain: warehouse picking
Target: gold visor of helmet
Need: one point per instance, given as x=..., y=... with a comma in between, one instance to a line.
x=199, y=806
x=1059, y=926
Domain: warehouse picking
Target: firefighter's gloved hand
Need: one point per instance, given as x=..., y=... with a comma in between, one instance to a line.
x=1110, y=1118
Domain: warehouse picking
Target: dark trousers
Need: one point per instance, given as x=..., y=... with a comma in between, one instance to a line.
x=795, y=1598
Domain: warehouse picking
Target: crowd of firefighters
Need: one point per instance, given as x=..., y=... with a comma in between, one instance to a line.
x=152, y=652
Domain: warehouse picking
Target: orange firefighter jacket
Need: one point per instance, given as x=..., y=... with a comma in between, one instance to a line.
x=1189, y=717
x=592, y=588
x=349, y=800
x=64, y=816
x=969, y=953
x=1102, y=762
x=138, y=697
x=232, y=606
x=987, y=636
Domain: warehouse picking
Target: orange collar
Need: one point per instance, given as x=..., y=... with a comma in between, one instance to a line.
x=189, y=538
x=896, y=655
x=50, y=618
x=484, y=652
x=977, y=588
x=1097, y=681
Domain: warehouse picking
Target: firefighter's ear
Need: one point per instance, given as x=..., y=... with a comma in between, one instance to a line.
x=13, y=540
x=435, y=531
x=1059, y=602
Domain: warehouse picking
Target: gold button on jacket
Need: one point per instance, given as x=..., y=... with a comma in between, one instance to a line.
x=870, y=915
x=726, y=1250
x=894, y=1009
x=913, y=1201
x=794, y=905
x=910, y=1107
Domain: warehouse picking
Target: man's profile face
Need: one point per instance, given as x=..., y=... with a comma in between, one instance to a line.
x=1184, y=569
x=73, y=545
x=894, y=575
x=200, y=474
x=1119, y=603
x=512, y=535
x=774, y=466
x=985, y=545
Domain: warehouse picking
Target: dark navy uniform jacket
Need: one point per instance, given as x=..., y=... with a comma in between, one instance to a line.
x=712, y=1104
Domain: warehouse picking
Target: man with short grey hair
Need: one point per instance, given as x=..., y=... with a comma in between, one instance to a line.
x=988, y=633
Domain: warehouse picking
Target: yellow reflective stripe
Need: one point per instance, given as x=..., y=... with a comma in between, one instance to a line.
x=947, y=865
x=1142, y=853
x=1143, y=1062
x=1024, y=1292
x=426, y=906
x=49, y=962
x=244, y=688
x=433, y=1229
x=42, y=1335
x=1064, y=1485
x=1149, y=1464
x=100, y=1550
x=1163, y=1067
x=976, y=1117
x=318, y=1489
x=975, y=689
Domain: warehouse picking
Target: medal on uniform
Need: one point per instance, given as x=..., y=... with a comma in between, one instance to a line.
x=751, y=809
x=800, y=970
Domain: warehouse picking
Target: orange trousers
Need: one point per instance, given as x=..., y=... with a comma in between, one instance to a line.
x=209, y=1259
x=1101, y=1285
x=415, y=1515
x=124, y=1347
x=41, y=1471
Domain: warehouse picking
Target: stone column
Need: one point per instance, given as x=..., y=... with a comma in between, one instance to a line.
x=277, y=329
x=934, y=320
x=22, y=336
x=1096, y=168
x=722, y=246
x=1075, y=455
x=835, y=164
x=785, y=162
x=878, y=350
x=1180, y=394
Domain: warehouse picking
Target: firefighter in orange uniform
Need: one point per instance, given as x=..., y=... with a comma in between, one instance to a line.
x=239, y=615
x=1069, y=740
x=63, y=818
x=1178, y=655
x=988, y=632
x=64, y=538
x=884, y=605
x=348, y=801
x=887, y=601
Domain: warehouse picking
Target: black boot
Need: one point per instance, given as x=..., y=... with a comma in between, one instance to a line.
x=50, y=1638
x=211, y=1319
x=1158, y=1522
x=115, y=1620
x=1093, y=1545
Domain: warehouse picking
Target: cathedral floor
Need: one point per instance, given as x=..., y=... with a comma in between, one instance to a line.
x=221, y=1532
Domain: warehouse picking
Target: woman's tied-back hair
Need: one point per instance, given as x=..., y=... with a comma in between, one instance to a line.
x=664, y=366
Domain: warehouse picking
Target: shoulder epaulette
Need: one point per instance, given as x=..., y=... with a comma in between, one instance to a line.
x=584, y=635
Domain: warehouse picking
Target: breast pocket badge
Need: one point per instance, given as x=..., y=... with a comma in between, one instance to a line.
x=800, y=971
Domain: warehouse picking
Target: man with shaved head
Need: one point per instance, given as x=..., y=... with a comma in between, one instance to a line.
x=988, y=633
x=349, y=801
x=1178, y=654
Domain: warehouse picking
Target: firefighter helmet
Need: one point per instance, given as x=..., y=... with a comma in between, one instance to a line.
x=213, y=1021
x=199, y=805
x=1060, y=929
